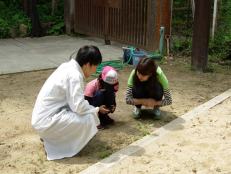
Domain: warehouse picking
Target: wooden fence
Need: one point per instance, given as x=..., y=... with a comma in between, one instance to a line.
x=132, y=22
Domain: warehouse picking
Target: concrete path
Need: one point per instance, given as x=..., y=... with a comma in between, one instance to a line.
x=28, y=54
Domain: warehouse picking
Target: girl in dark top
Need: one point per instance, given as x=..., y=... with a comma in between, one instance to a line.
x=101, y=91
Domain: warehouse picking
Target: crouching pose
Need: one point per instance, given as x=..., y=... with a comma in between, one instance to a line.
x=101, y=92
x=148, y=86
x=62, y=117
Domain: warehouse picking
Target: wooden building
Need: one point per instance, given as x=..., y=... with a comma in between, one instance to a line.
x=133, y=22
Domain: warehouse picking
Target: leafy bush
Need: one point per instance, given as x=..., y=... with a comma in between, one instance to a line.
x=221, y=45
x=11, y=16
x=57, y=28
x=182, y=45
x=219, y=48
x=181, y=28
x=4, y=28
x=57, y=20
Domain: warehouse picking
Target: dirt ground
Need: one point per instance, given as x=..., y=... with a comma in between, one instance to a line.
x=206, y=139
x=22, y=152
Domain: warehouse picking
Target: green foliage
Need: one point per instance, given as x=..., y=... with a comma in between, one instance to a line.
x=182, y=45
x=44, y=8
x=11, y=16
x=13, y=3
x=221, y=45
x=104, y=154
x=103, y=151
x=57, y=28
x=144, y=130
x=182, y=26
x=4, y=28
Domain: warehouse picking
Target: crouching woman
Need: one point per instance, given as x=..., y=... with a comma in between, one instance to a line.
x=64, y=120
x=148, y=86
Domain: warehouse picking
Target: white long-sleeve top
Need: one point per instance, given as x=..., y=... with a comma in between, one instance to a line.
x=64, y=89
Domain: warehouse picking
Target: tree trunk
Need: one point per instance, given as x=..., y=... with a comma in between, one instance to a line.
x=200, y=40
x=30, y=9
x=69, y=11
x=54, y=5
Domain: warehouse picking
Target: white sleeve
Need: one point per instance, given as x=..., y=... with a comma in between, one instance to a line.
x=75, y=97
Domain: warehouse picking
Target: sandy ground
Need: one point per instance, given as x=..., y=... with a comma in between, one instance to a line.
x=202, y=146
x=22, y=152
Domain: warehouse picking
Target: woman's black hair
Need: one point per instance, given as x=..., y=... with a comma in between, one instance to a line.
x=89, y=54
x=146, y=66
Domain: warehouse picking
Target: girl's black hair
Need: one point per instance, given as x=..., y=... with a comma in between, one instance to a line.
x=101, y=82
x=146, y=66
x=89, y=54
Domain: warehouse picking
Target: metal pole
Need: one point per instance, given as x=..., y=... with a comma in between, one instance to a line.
x=193, y=8
x=214, y=18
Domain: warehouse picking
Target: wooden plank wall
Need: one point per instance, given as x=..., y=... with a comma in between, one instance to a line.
x=132, y=22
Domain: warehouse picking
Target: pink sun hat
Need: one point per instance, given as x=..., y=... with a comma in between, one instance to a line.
x=109, y=75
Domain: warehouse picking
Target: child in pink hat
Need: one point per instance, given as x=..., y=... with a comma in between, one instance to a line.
x=101, y=91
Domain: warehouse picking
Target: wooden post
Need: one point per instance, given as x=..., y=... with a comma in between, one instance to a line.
x=153, y=24
x=30, y=8
x=106, y=27
x=166, y=16
x=69, y=9
x=200, y=40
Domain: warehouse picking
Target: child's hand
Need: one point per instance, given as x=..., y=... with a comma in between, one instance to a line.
x=112, y=108
x=103, y=109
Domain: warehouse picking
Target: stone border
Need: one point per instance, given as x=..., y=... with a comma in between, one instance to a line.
x=122, y=154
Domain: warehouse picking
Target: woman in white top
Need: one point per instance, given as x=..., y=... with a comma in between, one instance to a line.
x=62, y=117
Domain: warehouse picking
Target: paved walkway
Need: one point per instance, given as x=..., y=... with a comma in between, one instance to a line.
x=28, y=54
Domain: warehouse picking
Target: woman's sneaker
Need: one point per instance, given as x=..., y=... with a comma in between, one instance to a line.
x=157, y=113
x=136, y=112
